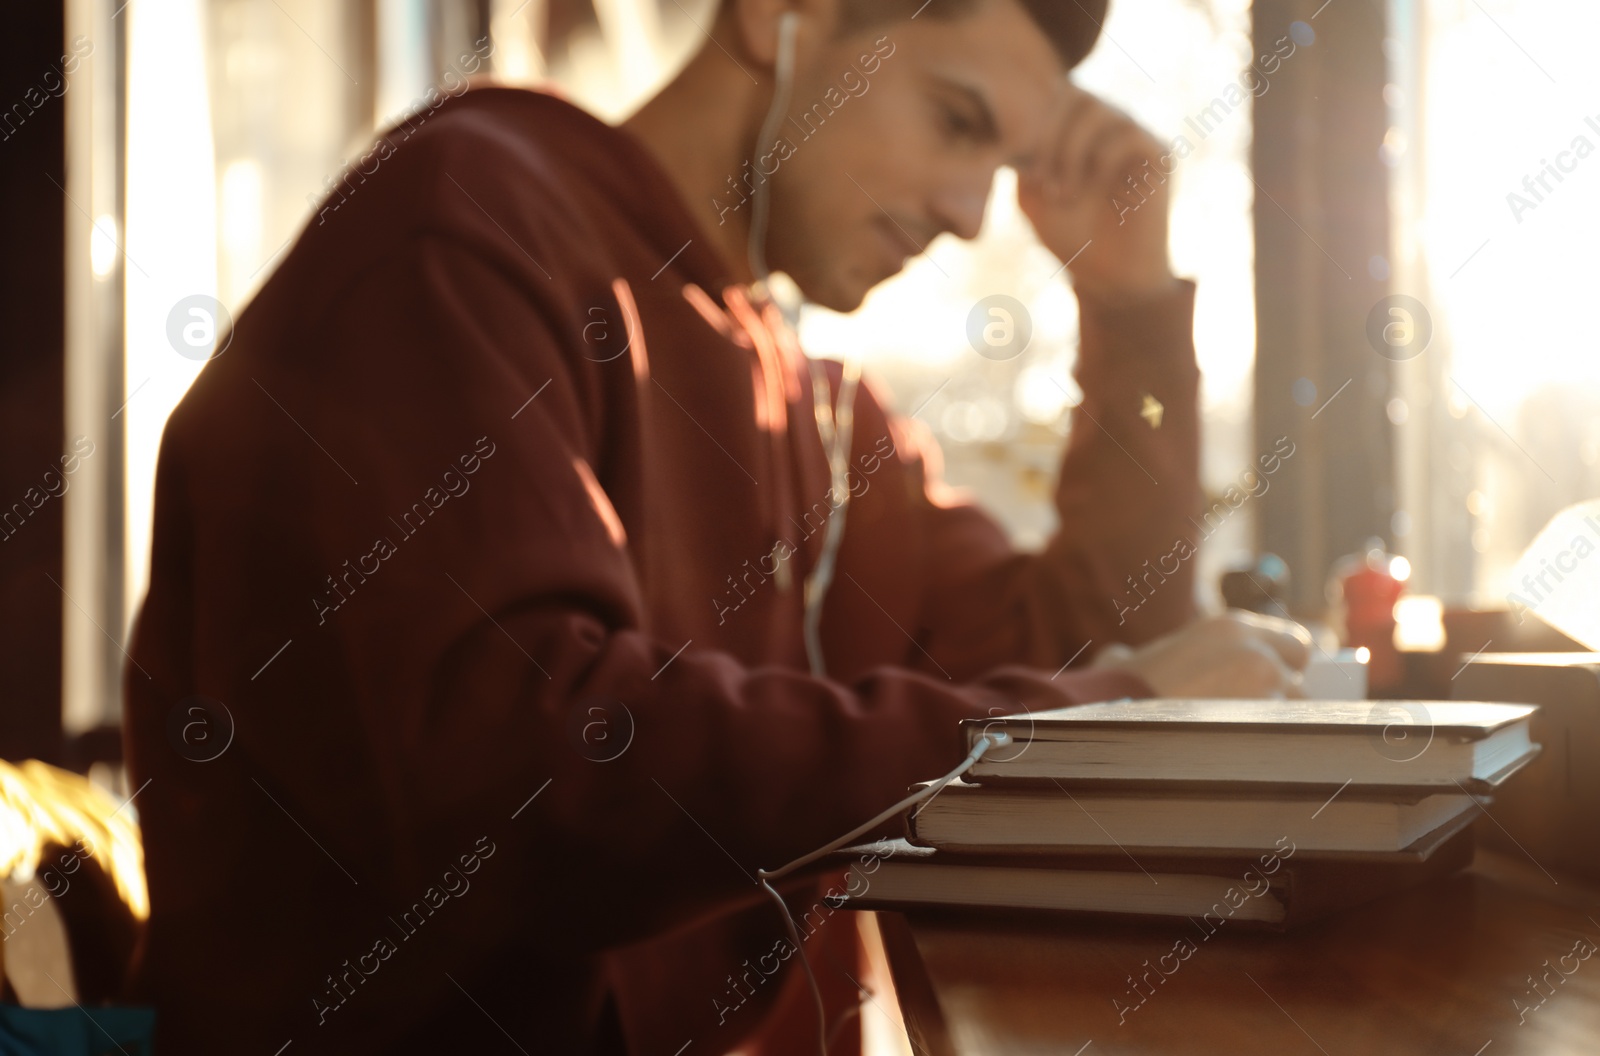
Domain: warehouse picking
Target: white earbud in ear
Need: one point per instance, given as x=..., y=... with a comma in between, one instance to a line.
x=783, y=64
x=788, y=24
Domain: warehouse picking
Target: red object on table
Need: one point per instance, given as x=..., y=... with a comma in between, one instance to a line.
x=1369, y=584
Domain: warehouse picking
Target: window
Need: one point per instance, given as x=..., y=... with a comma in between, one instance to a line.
x=1497, y=128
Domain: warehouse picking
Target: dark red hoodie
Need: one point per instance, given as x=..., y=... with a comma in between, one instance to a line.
x=469, y=535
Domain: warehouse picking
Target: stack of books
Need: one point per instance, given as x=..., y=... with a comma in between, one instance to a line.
x=1275, y=812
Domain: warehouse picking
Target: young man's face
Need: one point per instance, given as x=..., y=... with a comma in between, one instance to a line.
x=910, y=149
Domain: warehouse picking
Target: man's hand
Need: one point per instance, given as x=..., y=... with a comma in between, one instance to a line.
x=1238, y=655
x=1079, y=199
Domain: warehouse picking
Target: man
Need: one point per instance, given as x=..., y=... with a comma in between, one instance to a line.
x=487, y=538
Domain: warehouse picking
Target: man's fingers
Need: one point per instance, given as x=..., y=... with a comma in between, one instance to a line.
x=1088, y=128
x=1119, y=158
x=1240, y=655
x=1294, y=645
x=1103, y=146
x=1058, y=156
x=1290, y=641
x=1268, y=673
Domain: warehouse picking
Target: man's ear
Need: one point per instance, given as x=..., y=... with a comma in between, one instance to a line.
x=755, y=25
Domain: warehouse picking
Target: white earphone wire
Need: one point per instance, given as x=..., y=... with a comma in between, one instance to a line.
x=835, y=426
x=990, y=739
x=761, y=208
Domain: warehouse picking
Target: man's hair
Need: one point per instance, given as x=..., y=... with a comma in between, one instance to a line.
x=1071, y=25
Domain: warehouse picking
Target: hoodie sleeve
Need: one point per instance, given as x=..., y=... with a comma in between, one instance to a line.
x=1119, y=567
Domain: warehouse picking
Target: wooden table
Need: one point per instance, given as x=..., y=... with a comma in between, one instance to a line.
x=1473, y=965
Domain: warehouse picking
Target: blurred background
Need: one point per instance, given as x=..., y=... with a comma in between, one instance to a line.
x=1382, y=279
